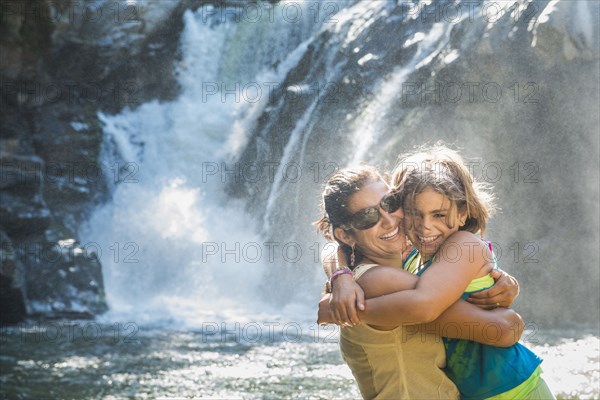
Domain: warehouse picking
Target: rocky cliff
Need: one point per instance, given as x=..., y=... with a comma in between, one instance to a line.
x=62, y=62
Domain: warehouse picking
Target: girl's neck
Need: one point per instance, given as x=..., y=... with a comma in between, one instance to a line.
x=426, y=258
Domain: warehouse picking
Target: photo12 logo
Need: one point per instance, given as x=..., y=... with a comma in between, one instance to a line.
x=71, y=331
x=72, y=11
x=71, y=92
x=469, y=92
x=68, y=250
x=267, y=171
x=469, y=10
x=255, y=92
x=23, y=171
x=267, y=331
x=290, y=12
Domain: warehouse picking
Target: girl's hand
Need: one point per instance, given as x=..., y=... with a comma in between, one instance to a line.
x=407, y=249
x=345, y=298
x=502, y=294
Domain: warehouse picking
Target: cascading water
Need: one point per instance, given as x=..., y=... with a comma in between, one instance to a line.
x=286, y=94
x=372, y=121
x=173, y=244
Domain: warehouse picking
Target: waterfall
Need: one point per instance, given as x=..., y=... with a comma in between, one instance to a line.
x=295, y=98
x=371, y=123
x=172, y=244
x=395, y=75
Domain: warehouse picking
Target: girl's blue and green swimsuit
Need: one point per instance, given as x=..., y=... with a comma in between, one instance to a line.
x=483, y=371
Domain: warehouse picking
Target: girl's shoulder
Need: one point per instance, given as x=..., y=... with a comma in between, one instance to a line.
x=466, y=237
x=466, y=246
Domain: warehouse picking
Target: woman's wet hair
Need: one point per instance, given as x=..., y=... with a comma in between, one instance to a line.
x=335, y=198
x=443, y=170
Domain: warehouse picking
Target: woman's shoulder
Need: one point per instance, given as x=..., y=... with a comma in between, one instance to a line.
x=374, y=270
x=377, y=280
x=360, y=269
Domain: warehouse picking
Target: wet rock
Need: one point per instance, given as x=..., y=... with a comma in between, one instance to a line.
x=62, y=278
x=12, y=304
x=21, y=217
x=23, y=210
x=22, y=174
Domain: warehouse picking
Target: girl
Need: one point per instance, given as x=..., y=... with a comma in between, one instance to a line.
x=444, y=210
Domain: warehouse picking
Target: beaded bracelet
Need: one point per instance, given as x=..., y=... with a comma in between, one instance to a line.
x=338, y=273
x=340, y=267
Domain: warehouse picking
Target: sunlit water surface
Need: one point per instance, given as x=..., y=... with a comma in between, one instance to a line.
x=256, y=360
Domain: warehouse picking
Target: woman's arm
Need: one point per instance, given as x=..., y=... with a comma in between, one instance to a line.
x=500, y=327
x=329, y=258
x=347, y=297
x=460, y=259
x=502, y=294
x=350, y=296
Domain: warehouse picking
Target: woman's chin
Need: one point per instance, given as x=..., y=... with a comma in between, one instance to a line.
x=396, y=245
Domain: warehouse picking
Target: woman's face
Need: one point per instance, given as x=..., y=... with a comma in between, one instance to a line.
x=386, y=239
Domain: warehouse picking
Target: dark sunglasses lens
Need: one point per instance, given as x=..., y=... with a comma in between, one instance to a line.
x=365, y=219
x=391, y=203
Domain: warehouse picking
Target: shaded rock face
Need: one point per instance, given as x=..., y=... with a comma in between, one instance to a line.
x=62, y=62
x=518, y=91
x=11, y=283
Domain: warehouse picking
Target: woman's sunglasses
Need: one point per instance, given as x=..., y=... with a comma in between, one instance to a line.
x=369, y=217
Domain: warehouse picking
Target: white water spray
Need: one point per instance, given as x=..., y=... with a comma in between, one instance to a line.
x=173, y=245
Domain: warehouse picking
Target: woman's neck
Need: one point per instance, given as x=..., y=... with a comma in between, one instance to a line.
x=391, y=261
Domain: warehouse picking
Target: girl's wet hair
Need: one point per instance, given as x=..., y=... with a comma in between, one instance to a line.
x=443, y=170
x=335, y=198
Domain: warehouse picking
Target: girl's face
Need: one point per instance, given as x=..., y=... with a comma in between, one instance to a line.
x=386, y=239
x=431, y=220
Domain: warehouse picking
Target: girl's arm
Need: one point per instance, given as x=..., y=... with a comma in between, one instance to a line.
x=461, y=258
x=348, y=297
x=501, y=327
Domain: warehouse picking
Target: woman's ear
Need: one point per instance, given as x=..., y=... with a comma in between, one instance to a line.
x=344, y=236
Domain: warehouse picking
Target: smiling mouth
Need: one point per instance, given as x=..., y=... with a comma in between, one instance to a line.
x=428, y=239
x=391, y=235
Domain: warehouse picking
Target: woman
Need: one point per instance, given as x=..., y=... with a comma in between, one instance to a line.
x=447, y=212
x=389, y=361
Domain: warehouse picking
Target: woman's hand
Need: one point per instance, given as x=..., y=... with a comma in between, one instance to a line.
x=325, y=316
x=346, y=297
x=502, y=294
